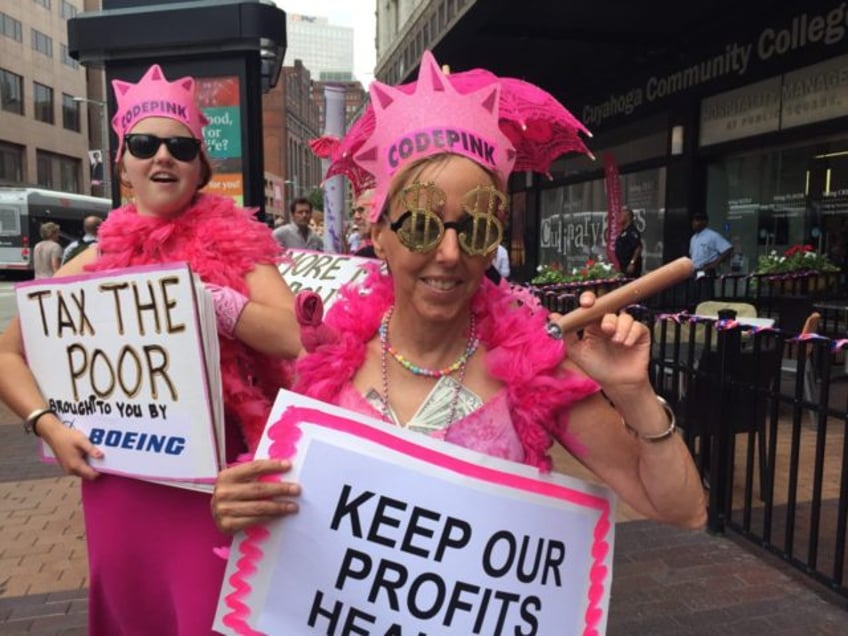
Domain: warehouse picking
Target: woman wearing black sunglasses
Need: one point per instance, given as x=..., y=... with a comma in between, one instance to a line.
x=151, y=558
x=436, y=347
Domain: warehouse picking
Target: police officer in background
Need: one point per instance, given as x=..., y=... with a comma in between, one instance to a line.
x=628, y=245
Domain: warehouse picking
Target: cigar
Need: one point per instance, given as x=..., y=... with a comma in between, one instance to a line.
x=651, y=283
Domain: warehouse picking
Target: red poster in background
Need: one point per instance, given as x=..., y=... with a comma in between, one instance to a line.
x=217, y=91
x=612, y=184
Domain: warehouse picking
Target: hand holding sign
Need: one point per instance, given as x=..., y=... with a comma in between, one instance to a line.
x=488, y=547
x=252, y=493
x=71, y=448
x=128, y=362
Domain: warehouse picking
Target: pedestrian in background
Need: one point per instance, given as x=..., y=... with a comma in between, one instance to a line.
x=502, y=262
x=358, y=226
x=707, y=248
x=362, y=207
x=628, y=245
x=90, y=226
x=47, y=254
x=298, y=234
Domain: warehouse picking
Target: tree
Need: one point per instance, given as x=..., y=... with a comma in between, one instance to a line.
x=316, y=198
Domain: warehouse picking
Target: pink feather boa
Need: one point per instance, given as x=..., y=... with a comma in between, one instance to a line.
x=518, y=353
x=221, y=243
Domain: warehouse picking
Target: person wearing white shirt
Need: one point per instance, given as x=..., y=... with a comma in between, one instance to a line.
x=502, y=262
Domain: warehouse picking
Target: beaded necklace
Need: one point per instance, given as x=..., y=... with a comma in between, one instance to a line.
x=470, y=348
x=460, y=365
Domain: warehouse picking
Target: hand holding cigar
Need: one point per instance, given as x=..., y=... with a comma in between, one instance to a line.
x=651, y=283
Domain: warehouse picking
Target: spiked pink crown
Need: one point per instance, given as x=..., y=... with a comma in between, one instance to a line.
x=502, y=123
x=434, y=119
x=155, y=96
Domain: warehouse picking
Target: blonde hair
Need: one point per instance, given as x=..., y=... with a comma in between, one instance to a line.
x=48, y=229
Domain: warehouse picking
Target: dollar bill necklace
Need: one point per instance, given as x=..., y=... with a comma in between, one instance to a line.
x=459, y=364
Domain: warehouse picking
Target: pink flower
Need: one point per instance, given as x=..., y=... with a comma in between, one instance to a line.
x=308, y=309
x=309, y=312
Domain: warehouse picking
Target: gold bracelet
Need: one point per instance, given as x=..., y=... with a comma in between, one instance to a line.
x=658, y=437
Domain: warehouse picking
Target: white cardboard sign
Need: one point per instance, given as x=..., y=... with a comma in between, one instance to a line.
x=119, y=355
x=399, y=533
x=323, y=273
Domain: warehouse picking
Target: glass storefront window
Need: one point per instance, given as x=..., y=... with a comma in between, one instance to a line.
x=574, y=219
x=772, y=200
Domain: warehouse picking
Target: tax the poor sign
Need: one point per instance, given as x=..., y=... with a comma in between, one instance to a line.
x=118, y=355
x=401, y=534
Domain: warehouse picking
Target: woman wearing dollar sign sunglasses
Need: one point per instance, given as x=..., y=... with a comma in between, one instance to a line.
x=434, y=346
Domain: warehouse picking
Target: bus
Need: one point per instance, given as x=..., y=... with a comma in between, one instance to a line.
x=23, y=210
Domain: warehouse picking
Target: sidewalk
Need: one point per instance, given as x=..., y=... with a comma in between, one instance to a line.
x=666, y=581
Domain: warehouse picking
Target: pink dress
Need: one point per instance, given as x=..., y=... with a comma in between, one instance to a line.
x=150, y=547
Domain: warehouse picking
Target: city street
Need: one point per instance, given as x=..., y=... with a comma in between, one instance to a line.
x=667, y=581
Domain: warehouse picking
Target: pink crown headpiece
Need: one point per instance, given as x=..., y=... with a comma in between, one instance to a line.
x=503, y=124
x=155, y=96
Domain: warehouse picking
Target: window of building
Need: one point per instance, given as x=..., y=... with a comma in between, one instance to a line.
x=773, y=199
x=43, y=101
x=67, y=60
x=42, y=43
x=572, y=218
x=43, y=3
x=67, y=10
x=11, y=162
x=58, y=172
x=44, y=168
x=11, y=92
x=70, y=113
x=11, y=28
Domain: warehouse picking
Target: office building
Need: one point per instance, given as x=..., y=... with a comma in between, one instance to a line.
x=325, y=49
x=289, y=121
x=44, y=131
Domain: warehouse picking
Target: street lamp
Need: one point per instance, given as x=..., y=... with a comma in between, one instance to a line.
x=104, y=141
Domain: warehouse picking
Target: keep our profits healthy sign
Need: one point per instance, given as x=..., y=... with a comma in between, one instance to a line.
x=401, y=534
x=119, y=355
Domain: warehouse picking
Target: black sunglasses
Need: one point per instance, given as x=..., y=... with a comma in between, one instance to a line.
x=145, y=146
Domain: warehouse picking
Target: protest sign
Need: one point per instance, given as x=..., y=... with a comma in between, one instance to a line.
x=403, y=534
x=121, y=356
x=323, y=273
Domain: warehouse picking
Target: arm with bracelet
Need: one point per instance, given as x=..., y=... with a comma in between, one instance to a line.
x=20, y=392
x=626, y=434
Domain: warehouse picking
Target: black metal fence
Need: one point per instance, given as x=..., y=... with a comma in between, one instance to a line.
x=763, y=410
x=765, y=414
